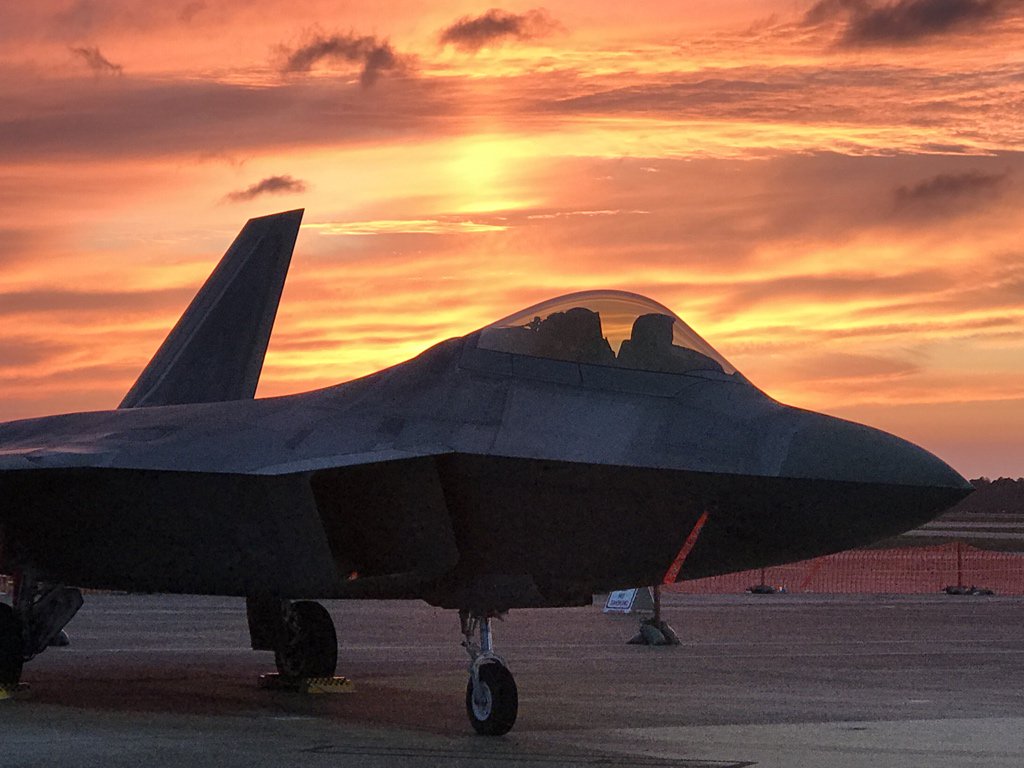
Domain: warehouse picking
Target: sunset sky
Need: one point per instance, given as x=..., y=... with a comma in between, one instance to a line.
x=830, y=192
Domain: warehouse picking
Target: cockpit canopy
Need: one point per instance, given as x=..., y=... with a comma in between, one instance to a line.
x=612, y=328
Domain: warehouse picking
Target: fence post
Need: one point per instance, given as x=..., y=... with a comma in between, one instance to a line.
x=959, y=564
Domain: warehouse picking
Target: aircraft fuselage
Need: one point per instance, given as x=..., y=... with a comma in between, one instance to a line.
x=467, y=477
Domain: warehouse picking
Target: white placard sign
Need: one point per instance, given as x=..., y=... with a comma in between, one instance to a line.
x=630, y=601
x=620, y=601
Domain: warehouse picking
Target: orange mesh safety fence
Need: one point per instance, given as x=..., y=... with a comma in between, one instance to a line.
x=912, y=570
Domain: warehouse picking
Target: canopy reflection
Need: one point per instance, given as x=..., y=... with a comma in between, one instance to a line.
x=612, y=328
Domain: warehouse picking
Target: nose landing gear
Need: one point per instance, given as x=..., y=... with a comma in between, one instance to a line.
x=492, y=699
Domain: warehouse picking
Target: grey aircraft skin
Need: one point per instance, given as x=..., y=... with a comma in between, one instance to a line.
x=527, y=464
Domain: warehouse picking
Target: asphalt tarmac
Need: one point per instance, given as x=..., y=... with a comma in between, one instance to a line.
x=766, y=680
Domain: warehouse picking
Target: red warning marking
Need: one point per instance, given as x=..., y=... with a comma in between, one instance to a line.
x=684, y=551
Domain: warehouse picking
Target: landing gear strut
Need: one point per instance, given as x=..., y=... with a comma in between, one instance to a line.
x=492, y=699
x=36, y=618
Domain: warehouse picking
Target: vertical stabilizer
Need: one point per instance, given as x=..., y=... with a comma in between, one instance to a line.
x=215, y=351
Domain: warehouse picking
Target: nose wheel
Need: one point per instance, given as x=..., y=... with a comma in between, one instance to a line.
x=492, y=699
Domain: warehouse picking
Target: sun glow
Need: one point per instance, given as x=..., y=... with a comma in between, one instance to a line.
x=839, y=217
x=482, y=170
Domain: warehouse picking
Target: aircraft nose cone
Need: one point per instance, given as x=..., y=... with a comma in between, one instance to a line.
x=870, y=485
x=828, y=448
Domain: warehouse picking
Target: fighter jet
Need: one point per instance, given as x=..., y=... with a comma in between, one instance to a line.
x=589, y=443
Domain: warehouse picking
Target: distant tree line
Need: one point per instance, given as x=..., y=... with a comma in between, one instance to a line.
x=1001, y=495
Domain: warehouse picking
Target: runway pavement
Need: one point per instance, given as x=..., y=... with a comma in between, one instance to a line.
x=995, y=531
x=766, y=680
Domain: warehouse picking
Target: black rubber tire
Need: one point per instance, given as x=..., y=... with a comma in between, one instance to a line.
x=11, y=646
x=504, y=701
x=311, y=644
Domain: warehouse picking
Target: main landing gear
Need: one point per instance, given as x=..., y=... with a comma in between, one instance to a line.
x=492, y=700
x=34, y=620
x=309, y=646
x=301, y=635
x=11, y=653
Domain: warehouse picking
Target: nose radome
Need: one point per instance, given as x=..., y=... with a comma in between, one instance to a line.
x=827, y=448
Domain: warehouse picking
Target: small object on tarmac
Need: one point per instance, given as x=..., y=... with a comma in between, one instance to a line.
x=671, y=638
x=16, y=691
x=314, y=685
x=654, y=632
x=959, y=589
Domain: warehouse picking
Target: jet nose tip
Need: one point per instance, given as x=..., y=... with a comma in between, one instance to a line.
x=853, y=485
x=828, y=448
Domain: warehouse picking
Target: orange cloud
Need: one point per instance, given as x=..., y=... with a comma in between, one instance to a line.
x=843, y=224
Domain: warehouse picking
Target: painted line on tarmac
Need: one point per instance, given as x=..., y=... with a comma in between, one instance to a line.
x=522, y=758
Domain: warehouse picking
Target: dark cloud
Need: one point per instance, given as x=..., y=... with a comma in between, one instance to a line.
x=904, y=21
x=911, y=20
x=949, y=190
x=828, y=10
x=272, y=185
x=471, y=33
x=375, y=56
x=96, y=61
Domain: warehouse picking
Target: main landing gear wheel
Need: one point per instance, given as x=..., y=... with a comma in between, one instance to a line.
x=12, y=648
x=492, y=699
x=493, y=702
x=309, y=647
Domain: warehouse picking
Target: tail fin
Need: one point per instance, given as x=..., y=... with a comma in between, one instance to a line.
x=215, y=351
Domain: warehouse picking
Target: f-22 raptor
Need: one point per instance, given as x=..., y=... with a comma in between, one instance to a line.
x=589, y=443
